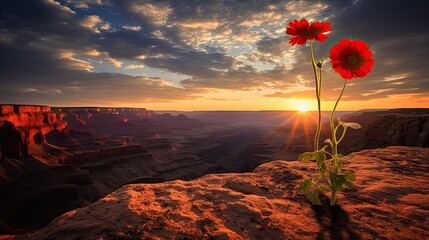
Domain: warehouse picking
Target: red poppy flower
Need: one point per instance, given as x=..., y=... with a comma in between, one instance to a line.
x=303, y=31
x=351, y=58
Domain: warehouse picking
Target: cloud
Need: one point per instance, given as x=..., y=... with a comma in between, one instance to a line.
x=373, y=92
x=232, y=45
x=92, y=53
x=59, y=66
x=206, y=24
x=65, y=80
x=132, y=28
x=226, y=99
x=85, y=4
x=134, y=66
x=395, y=77
x=101, y=57
x=271, y=50
x=94, y=23
x=156, y=13
x=74, y=63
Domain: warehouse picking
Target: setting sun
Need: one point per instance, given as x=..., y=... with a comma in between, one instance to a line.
x=303, y=108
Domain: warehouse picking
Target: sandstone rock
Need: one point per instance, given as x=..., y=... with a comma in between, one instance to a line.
x=6, y=109
x=389, y=201
x=31, y=109
x=31, y=123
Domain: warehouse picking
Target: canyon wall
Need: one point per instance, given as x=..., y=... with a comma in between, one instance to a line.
x=400, y=130
x=24, y=126
x=400, y=127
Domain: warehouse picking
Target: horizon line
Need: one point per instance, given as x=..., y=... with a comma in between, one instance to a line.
x=218, y=110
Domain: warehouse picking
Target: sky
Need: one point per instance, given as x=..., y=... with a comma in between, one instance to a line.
x=206, y=55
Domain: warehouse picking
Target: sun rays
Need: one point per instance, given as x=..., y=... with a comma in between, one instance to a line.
x=300, y=120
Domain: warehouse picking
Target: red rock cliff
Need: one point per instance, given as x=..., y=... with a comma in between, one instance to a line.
x=23, y=126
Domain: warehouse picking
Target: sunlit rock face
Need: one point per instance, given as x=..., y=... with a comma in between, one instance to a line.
x=388, y=201
x=23, y=126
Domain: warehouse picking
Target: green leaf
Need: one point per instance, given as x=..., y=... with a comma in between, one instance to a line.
x=337, y=180
x=329, y=141
x=340, y=155
x=314, y=197
x=305, y=185
x=324, y=188
x=321, y=164
x=352, y=125
x=349, y=176
x=319, y=155
x=307, y=156
x=320, y=158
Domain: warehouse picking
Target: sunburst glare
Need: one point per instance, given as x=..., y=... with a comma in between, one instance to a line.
x=303, y=108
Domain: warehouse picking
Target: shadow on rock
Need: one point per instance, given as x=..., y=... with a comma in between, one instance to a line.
x=335, y=222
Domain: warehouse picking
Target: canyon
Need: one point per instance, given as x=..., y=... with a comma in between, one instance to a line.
x=57, y=159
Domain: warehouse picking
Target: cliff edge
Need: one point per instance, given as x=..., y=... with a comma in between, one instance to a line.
x=390, y=200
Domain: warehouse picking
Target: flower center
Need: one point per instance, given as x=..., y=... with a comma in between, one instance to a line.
x=352, y=59
x=313, y=32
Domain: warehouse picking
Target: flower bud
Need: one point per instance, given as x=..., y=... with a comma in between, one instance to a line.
x=319, y=64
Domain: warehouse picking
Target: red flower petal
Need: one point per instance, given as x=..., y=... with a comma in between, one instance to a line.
x=351, y=59
x=303, y=31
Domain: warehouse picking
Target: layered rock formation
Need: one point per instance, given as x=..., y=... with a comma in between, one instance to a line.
x=388, y=201
x=100, y=150
x=23, y=126
x=405, y=127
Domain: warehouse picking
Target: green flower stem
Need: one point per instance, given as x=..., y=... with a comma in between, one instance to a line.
x=318, y=87
x=319, y=125
x=333, y=198
x=333, y=130
x=326, y=181
x=342, y=135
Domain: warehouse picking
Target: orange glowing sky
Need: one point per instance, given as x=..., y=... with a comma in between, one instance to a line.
x=210, y=55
